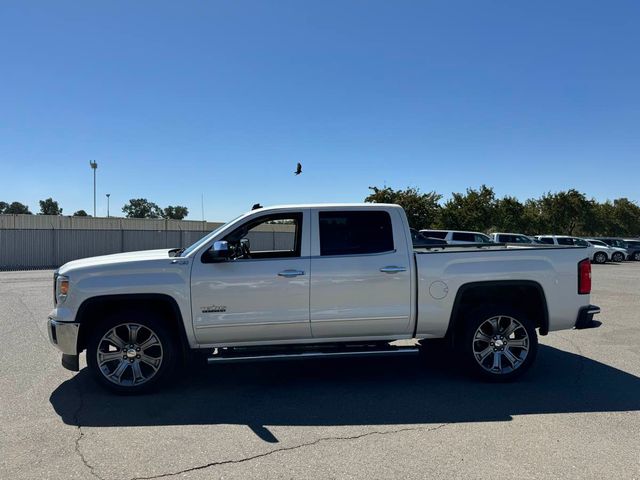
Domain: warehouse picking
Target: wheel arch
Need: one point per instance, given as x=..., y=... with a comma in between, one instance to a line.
x=474, y=294
x=95, y=308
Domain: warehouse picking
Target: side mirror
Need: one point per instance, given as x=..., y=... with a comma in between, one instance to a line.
x=219, y=252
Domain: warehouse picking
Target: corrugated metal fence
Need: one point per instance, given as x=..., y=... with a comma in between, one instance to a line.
x=25, y=245
x=22, y=249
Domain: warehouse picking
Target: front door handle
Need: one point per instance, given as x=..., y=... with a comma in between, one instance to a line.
x=290, y=273
x=393, y=269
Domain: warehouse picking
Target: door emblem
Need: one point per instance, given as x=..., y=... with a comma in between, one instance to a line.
x=214, y=309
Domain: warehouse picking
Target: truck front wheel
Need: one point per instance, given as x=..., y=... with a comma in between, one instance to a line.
x=498, y=344
x=131, y=352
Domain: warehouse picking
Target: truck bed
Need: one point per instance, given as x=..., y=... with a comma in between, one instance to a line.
x=443, y=272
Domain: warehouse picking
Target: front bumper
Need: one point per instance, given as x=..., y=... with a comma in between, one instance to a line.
x=585, y=317
x=64, y=335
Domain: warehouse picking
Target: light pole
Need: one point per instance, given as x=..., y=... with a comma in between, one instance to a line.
x=108, y=195
x=94, y=167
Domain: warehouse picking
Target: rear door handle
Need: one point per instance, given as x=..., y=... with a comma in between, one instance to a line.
x=393, y=269
x=290, y=273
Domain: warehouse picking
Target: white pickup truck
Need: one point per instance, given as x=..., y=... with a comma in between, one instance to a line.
x=306, y=281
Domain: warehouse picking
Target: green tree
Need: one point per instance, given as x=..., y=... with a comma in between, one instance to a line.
x=566, y=213
x=532, y=221
x=422, y=209
x=175, y=213
x=80, y=213
x=3, y=207
x=473, y=210
x=17, y=208
x=49, y=207
x=508, y=215
x=142, y=208
x=626, y=217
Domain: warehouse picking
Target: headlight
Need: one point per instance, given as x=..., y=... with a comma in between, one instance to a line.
x=62, y=288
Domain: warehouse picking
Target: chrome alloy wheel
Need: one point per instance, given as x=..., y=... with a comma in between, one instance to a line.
x=500, y=344
x=129, y=354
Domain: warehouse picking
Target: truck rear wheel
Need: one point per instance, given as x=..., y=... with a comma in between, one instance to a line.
x=498, y=344
x=131, y=352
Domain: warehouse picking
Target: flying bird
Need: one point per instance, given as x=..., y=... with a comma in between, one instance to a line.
x=298, y=169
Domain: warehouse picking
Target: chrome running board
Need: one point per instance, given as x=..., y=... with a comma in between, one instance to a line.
x=219, y=358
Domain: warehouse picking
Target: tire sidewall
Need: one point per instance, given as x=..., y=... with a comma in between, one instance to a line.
x=158, y=325
x=464, y=347
x=600, y=257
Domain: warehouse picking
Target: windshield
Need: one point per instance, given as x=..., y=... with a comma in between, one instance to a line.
x=598, y=242
x=206, y=238
x=522, y=239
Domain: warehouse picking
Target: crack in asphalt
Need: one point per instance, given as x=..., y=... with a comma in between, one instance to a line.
x=288, y=449
x=76, y=421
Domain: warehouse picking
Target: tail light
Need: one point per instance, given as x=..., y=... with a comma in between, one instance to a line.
x=584, y=277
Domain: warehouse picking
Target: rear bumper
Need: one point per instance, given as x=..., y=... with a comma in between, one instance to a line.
x=585, y=317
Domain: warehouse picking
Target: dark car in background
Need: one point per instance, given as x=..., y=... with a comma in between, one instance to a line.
x=420, y=240
x=632, y=245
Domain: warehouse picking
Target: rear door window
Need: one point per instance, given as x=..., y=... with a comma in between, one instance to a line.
x=355, y=233
x=521, y=239
x=463, y=237
x=480, y=238
x=434, y=234
x=565, y=241
x=547, y=240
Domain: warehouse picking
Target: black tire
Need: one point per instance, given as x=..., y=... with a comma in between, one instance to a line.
x=470, y=347
x=617, y=257
x=636, y=256
x=600, y=258
x=153, y=332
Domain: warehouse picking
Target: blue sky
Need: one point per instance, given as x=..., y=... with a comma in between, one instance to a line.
x=175, y=99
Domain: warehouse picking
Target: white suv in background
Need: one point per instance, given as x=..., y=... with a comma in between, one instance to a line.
x=457, y=237
x=616, y=254
x=512, y=239
x=597, y=254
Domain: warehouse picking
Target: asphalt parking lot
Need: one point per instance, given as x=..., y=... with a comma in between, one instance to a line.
x=575, y=415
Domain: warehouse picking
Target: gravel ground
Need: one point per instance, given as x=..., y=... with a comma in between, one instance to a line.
x=575, y=415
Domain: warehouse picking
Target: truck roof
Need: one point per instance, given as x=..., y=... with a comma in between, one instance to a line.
x=329, y=205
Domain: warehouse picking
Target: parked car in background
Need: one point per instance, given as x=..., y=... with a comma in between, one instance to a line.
x=632, y=246
x=616, y=254
x=457, y=236
x=512, y=239
x=596, y=254
x=420, y=240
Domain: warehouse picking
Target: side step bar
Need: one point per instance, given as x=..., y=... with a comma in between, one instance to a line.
x=310, y=355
